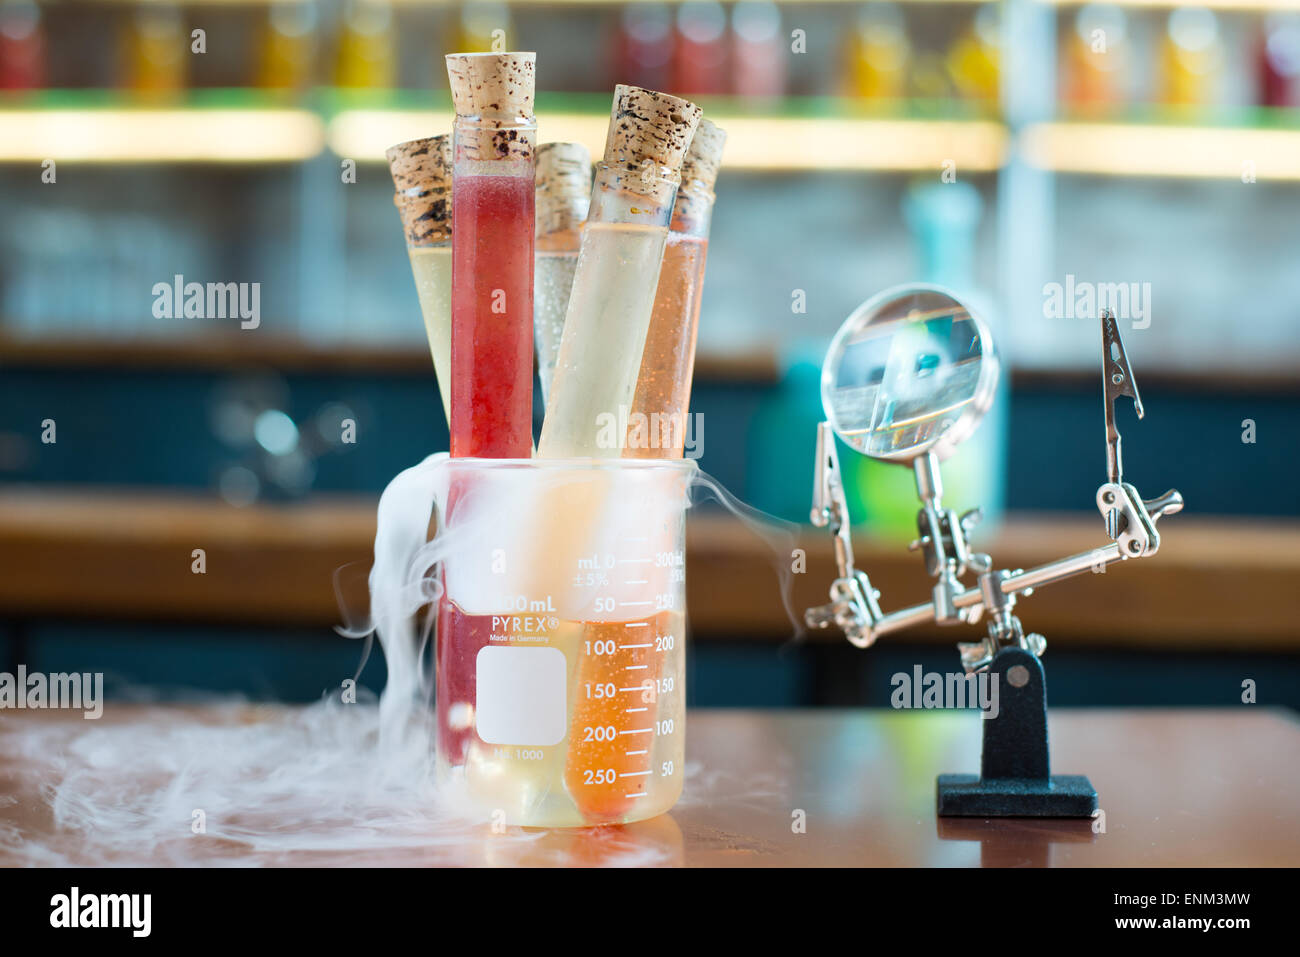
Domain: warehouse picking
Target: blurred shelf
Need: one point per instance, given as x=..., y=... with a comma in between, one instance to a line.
x=239, y=353
x=203, y=3
x=1163, y=150
x=78, y=553
x=236, y=353
x=520, y=3
x=1244, y=6
x=755, y=143
x=252, y=126
x=143, y=134
x=229, y=126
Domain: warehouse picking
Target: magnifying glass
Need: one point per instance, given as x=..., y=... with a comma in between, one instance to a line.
x=912, y=371
x=908, y=378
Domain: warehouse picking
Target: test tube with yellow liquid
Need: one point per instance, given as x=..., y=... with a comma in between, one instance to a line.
x=421, y=172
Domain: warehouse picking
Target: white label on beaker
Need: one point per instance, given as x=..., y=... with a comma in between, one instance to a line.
x=521, y=695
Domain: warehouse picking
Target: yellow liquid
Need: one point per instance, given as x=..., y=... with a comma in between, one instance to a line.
x=431, y=266
x=604, y=335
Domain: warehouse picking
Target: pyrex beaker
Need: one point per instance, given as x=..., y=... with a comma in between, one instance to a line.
x=560, y=672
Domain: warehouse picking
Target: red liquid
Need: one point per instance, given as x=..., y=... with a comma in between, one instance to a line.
x=492, y=317
x=460, y=638
x=491, y=393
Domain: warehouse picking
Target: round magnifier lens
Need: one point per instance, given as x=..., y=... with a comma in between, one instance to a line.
x=911, y=371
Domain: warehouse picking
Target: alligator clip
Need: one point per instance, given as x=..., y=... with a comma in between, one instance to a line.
x=1116, y=380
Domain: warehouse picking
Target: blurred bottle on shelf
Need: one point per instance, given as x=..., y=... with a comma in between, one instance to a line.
x=782, y=440
x=1096, y=58
x=973, y=58
x=484, y=26
x=700, y=49
x=157, y=48
x=367, y=53
x=879, y=54
x=944, y=219
x=643, y=48
x=758, y=51
x=929, y=83
x=22, y=46
x=1279, y=60
x=1191, y=55
x=287, y=52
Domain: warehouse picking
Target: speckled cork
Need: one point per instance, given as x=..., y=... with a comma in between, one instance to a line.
x=422, y=178
x=704, y=156
x=699, y=174
x=497, y=89
x=645, y=126
x=563, y=187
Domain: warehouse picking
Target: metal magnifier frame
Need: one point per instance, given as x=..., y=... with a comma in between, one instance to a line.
x=945, y=442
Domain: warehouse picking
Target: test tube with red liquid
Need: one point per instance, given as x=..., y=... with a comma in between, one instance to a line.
x=491, y=321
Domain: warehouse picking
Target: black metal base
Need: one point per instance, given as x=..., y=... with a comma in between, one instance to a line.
x=1061, y=795
x=1015, y=778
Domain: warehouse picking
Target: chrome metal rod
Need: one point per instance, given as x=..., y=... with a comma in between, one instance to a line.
x=1018, y=582
x=1064, y=568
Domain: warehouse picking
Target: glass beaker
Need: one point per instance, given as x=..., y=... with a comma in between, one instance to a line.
x=560, y=684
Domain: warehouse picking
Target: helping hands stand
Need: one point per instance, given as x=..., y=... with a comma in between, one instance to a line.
x=1015, y=778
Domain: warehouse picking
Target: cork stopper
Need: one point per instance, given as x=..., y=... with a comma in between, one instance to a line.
x=699, y=172
x=704, y=157
x=422, y=178
x=649, y=127
x=563, y=187
x=496, y=90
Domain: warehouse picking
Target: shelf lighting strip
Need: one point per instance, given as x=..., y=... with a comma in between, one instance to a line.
x=160, y=135
x=753, y=143
x=1120, y=149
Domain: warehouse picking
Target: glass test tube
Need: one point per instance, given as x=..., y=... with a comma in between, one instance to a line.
x=492, y=254
x=491, y=326
x=605, y=327
x=563, y=196
x=617, y=274
x=421, y=172
x=658, y=424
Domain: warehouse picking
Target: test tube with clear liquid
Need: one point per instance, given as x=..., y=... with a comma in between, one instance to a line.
x=617, y=273
x=563, y=197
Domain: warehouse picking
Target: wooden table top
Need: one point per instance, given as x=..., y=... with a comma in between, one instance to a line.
x=123, y=554
x=1177, y=788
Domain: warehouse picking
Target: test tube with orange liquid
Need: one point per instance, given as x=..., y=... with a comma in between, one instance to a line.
x=630, y=658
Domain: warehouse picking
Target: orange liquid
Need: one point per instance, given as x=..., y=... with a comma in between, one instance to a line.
x=657, y=425
x=621, y=702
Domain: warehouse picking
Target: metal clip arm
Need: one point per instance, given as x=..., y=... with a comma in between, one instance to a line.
x=853, y=605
